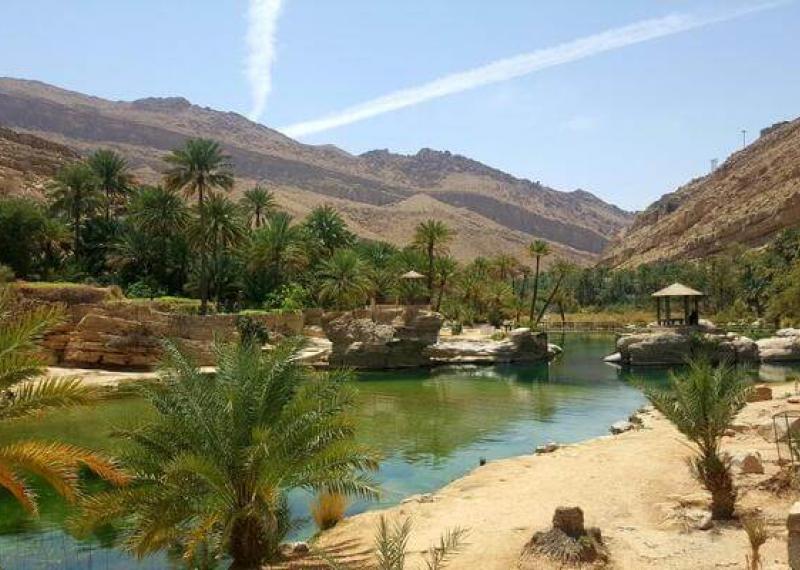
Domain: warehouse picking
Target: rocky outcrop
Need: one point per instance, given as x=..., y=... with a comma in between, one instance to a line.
x=521, y=345
x=747, y=200
x=364, y=344
x=783, y=347
x=659, y=347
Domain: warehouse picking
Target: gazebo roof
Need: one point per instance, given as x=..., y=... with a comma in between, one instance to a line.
x=412, y=275
x=678, y=290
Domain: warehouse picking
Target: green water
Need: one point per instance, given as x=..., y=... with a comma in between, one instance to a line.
x=430, y=426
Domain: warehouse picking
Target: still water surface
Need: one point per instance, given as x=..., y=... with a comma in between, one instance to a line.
x=431, y=427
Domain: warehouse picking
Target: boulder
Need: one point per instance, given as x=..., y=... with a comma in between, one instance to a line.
x=779, y=348
x=759, y=394
x=660, y=347
x=521, y=345
x=548, y=447
x=748, y=463
x=777, y=430
x=362, y=343
x=621, y=427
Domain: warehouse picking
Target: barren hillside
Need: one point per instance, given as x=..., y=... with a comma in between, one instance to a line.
x=381, y=194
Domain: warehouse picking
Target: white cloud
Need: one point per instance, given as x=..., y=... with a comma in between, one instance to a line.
x=509, y=68
x=262, y=20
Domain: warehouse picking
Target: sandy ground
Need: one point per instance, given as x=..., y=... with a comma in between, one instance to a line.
x=635, y=487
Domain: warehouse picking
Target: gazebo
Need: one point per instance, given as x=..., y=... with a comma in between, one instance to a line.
x=691, y=305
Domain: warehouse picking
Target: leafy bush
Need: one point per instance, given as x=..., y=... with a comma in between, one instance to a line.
x=251, y=331
x=143, y=290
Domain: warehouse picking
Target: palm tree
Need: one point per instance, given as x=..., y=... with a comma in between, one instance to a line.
x=432, y=237
x=56, y=463
x=344, y=280
x=327, y=230
x=112, y=174
x=257, y=204
x=198, y=168
x=538, y=249
x=221, y=230
x=215, y=464
x=505, y=265
x=160, y=216
x=74, y=194
x=276, y=248
x=445, y=268
x=702, y=402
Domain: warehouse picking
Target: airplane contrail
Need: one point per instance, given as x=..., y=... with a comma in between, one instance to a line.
x=262, y=20
x=516, y=66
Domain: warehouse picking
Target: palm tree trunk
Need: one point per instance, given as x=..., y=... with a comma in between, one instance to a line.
x=108, y=203
x=553, y=293
x=535, y=292
x=203, y=258
x=441, y=294
x=430, y=272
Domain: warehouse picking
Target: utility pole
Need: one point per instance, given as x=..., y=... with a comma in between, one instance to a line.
x=744, y=138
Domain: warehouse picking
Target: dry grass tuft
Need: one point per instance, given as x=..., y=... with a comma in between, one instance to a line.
x=328, y=509
x=756, y=528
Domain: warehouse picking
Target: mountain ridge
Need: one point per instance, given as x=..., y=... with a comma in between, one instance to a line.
x=577, y=223
x=749, y=198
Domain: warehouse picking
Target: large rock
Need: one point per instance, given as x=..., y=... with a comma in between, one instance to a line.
x=783, y=347
x=748, y=463
x=667, y=347
x=521, y=345
x=362, y=343
x=779, y=428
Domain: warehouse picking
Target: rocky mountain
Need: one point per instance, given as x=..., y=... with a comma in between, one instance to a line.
x=28, y=161
x=747, y=200
x=380, y=194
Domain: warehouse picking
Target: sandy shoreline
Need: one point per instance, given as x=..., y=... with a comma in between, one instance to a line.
x=635, y=487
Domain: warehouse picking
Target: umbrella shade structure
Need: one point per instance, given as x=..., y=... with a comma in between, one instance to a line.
x=691, y=305
x=412, y=275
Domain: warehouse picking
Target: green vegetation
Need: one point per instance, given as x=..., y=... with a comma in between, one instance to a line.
x=100, y=227
x=701, y=403
x=214, y=465
x=56, y=463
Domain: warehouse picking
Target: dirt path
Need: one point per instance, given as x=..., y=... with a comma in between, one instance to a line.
x=635, y=487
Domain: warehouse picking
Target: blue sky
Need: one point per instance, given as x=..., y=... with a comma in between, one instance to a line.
x=628, y=124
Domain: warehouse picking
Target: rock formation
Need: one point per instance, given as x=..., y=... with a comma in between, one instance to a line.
x=521, y=345
x=364, y=344
x=783, y=347
x=747, y=200
x=659, y=347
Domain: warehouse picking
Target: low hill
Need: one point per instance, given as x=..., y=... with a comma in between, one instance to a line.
x=380, y=193
x=747, y=200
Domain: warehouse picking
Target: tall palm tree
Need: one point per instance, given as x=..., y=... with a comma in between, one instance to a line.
x=445, y=268
x=276, y=248
x=433, y=238
x=327, y=230
x=199, y=168
x=257, y=203
x=505, y=266
x=215, y=464
x=538, y=249
x=160, y=216
x=112, y=174
x=221, y=230
x=702, y=402
x=20, y=363
x=74, y=194
x=344, y=280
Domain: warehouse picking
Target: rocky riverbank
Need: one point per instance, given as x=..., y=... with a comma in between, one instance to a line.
x=635, y=487
x=659, y=346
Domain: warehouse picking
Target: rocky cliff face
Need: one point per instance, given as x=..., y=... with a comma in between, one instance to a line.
x=28, y=161
x=381, y=194
x=747, y=200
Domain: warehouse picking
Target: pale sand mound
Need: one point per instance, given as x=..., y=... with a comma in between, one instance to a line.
x=633, y=487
